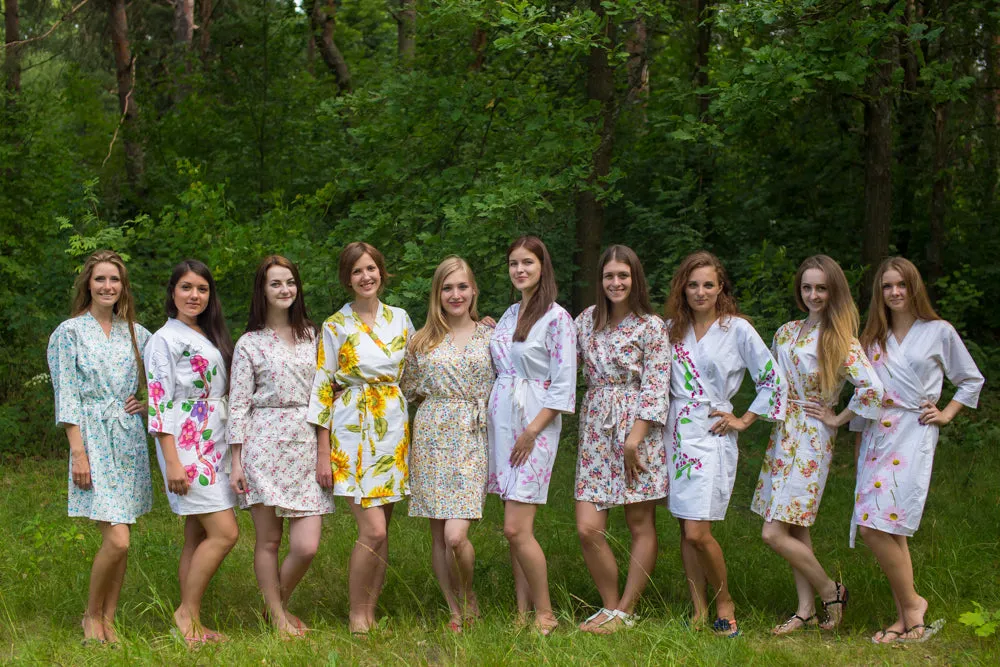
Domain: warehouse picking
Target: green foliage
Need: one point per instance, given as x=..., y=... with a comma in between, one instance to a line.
x=984, y=621
x=961, y=296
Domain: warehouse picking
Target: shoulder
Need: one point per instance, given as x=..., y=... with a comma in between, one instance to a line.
x=652, y=323
x=67, y=328
x=338, y=319
x=741, y=325
x=141, y=332
x=942, y=328
x=484, y=331
x=557, y=312
x=248, y=341
x=585, y=320
x=788, y=327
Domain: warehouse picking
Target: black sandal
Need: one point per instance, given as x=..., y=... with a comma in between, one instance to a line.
x=778, y=629
x=830, y=624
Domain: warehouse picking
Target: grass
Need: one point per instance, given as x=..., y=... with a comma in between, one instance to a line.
x=44, y=568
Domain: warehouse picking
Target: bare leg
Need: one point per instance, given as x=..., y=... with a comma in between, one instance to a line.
x=220, y=535
x=114, y=592
x=519, y=529
x=366, y=569
x=105, y=581
x=641, y=519
x=794, y=544
x=268, y=529
x=699, y=535
x=383, y=563
x=462, y=564
x=193, y=535
x=303, y=543
x=443, y=571
x=893, y=554
x=591, y=525
x=695, y=577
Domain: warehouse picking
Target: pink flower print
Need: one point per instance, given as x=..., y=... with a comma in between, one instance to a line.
x=894, y=514
x=879, y=485
x=189, y=434
x=896, y=461
x=864, y=513
x=888, y=423
x=199, y=364
x=891, y=399
x=878, y=357
x=156, y=392
x=192, y=472
x=210, y=448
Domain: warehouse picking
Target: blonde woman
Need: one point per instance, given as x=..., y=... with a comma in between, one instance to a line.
x=449, y=373
x=96, y=371
x=912, y=350
x=817, y=355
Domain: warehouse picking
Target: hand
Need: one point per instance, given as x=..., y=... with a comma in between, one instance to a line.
x=823, y=413
x=523, y=446
x=237, y=480
x=727, y=422
x=632, y=464
x=324, y=473
x=80, y=468
x=337, y=391
x=489, y=321
x=177, y=479
x=134, y=407
x=931, y=416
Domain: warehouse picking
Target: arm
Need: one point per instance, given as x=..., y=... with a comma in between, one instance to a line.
x=410, y=382
x=772, y=392
x=241, y=389
x=62, y=354
x=654, y=393
x=866, y=401
x=322, y=399
x=960, y=369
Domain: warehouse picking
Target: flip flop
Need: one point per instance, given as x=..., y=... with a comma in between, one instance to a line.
x=929, y=631
x=878, y=638
x=726, y=627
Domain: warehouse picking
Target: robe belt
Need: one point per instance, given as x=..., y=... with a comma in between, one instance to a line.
x=477, y=408
x=802, y=403
x=110, y=412
x=713, y=405
x=613, y=417
x=221, y=404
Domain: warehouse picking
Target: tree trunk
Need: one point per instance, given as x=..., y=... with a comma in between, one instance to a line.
x=939, y=187
x=12, y=55
x=911, y=111
x=878, y=161
x=207, y=11
x=589, y=209
x=323, y=20
x=406, y=32
x=637, y=64
x=479, y=41
x=183, y=22
x=706, y=12
x=125, y=73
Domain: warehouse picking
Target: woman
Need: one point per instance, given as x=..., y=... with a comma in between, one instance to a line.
x=96, y=371
x=450, y=374
x=622, y=459
x=534, y=352
x=912, y=350
x=816, y=355
x=712, y=347
x=188, y=363
x=273, y=446
x=364, y=437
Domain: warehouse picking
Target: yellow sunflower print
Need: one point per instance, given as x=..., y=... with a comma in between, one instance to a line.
x=402, y=449
x=376, y=401
x=320, y=355
x=347, y=359
x=325, y=394
x=340, y=463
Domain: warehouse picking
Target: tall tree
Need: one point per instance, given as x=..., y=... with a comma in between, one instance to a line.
x=183, y=22
x=206, y=14
x=406, y=31
x=323, y=20
x=125, y=74
x=12, y=57
x=911, y=113
x=942, y=113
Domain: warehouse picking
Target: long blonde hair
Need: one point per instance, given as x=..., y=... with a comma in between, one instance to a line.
x=436, y=327
x=880, y=317
x=123, y=308
x=838, y=326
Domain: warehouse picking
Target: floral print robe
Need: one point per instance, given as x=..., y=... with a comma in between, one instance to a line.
x=897, y=451
x=539, y=372
x=368, y=423
x=797, y=462
x=187, y=399
x=268, y=399
x=92, y=375
x=449, y=457
x=704, y=376
x=627, y=369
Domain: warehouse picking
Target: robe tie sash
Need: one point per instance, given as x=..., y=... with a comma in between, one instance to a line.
x=110, y=413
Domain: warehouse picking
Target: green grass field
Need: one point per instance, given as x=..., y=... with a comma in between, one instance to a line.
x=45, y=564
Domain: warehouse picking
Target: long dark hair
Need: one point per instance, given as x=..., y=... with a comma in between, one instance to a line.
x=638, y=296
x=545, y=293
x=304, y=328
x=211, y=320
x=679, y=310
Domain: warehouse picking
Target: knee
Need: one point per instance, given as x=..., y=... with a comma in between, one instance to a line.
x=305, y=547
x=589, y=535
x=455, y=539
x=373, y=536
x=268, y=543
x=771, y=536
x=116, y=542
x=868, y=534
x=515, y=532
x=229, y=534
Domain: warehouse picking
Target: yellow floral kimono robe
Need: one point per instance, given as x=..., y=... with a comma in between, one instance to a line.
x=368, y=423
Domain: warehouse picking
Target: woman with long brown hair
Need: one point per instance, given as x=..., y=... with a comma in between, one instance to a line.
x=712, y=347
x=449, y=373
x=534, y=354
x=188, y=360
x=272, y=444
x=817, y=355
x=96, y=372
x=912, y=350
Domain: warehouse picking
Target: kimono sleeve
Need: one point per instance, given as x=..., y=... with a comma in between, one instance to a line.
x=560, y=343
x=320, y=410
x=654, y=387
x=960, y=369
x=161, y=377
x=241, y=388
x=868, y=390
x=771, y=386
x=410, y=382
x=65, y=376
x=584, y=324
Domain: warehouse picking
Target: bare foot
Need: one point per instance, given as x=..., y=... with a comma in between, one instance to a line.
x=471, y=613
x=611, y=627
x=595, y=620
x=795, y=622
x=726, y=609
x=698, y=621
x=109, y=630
x=545, y=623
x=296, y=621
x=522, y=619
x=890, y=634
x=835, y=607
x=359, y=625
x=93, y=630
x=455, y=623
x=914, y=616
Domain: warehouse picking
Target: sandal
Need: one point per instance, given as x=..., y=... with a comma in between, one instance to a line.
x=607, y=613
x=879, y=637
x=726, y=627
x=610, y=627
x=830, y=623
x=928, y=632
x=785, y=627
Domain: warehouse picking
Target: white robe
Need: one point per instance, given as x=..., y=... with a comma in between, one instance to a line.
x=897, y=451
x=704, y=377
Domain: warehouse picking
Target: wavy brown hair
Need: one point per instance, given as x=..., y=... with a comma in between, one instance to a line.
x=123, y=308
x=546, y=292
x=211, y=320
x=349, y=256
x=838, y=326
x=436, y=327
x=678, y=310
x=638, y=296
x=304, y=328
x=880, y=317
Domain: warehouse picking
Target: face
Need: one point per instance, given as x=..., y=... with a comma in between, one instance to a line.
x=457, y=294
x=616, y=280
x=702, y=289
x=191, y=296
x=894, y=291
x=524, y=268
x=280, y=288
x=814, y=290
x=365, y=277
x=105, y=284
